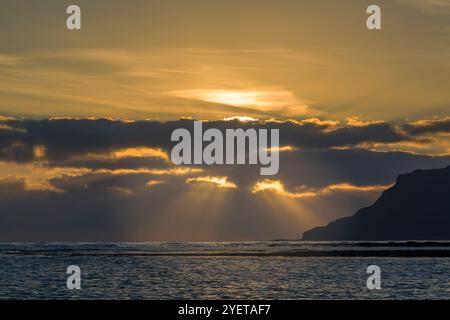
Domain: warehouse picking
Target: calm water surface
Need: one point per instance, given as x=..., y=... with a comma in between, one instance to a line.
x=250, y=270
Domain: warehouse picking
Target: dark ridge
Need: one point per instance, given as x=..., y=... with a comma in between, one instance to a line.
x=417, y=207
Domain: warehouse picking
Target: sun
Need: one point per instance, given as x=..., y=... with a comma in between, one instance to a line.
x=263, y=98
x=234, y=98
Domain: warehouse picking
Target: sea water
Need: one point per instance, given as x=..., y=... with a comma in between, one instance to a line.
x=240, y=270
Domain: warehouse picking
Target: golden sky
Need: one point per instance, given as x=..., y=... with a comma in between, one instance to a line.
x=216, y=59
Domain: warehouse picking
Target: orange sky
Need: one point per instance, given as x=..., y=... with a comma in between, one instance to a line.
x=216, y=59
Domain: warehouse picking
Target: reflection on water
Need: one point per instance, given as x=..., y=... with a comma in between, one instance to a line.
x=222, y=271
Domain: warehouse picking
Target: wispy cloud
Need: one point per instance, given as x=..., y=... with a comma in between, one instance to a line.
x=220, y=182
x=277, y=187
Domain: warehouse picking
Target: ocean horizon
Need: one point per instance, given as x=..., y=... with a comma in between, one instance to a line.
x=226, y=270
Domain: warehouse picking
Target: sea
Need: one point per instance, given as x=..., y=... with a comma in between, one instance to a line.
x=226, y=270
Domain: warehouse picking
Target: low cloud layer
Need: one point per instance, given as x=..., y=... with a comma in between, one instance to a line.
x=91, y=180
x=64, y=139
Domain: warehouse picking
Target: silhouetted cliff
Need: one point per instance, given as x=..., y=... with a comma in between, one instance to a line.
x=417, y=207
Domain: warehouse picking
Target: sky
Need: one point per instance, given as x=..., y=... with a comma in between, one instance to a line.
x=86, y=115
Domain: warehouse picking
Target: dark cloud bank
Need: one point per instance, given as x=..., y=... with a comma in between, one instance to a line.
x=104, y=206
x=67, y=137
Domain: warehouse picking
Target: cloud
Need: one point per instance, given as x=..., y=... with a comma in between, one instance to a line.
x=133, y=152
x=63, y=139
x=356, y=122
x=142, y=147
x=318, y=135
x=240, y=118
x=112, y=142
x=326, y=124
x=104, y=179
x=120, y=191
x=428, y=126
x=220, y=182
x=279, y=188
x=152, y=183
x=36, y=176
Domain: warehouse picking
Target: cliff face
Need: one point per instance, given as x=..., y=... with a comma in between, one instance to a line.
x=417, y=207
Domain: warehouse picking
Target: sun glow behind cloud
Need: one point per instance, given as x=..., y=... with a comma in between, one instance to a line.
x=132, y=152
x=268, y=100
x=240, y=118
x=220, y=182
x=277, y=187
x=142, y=152
x=153, y=183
